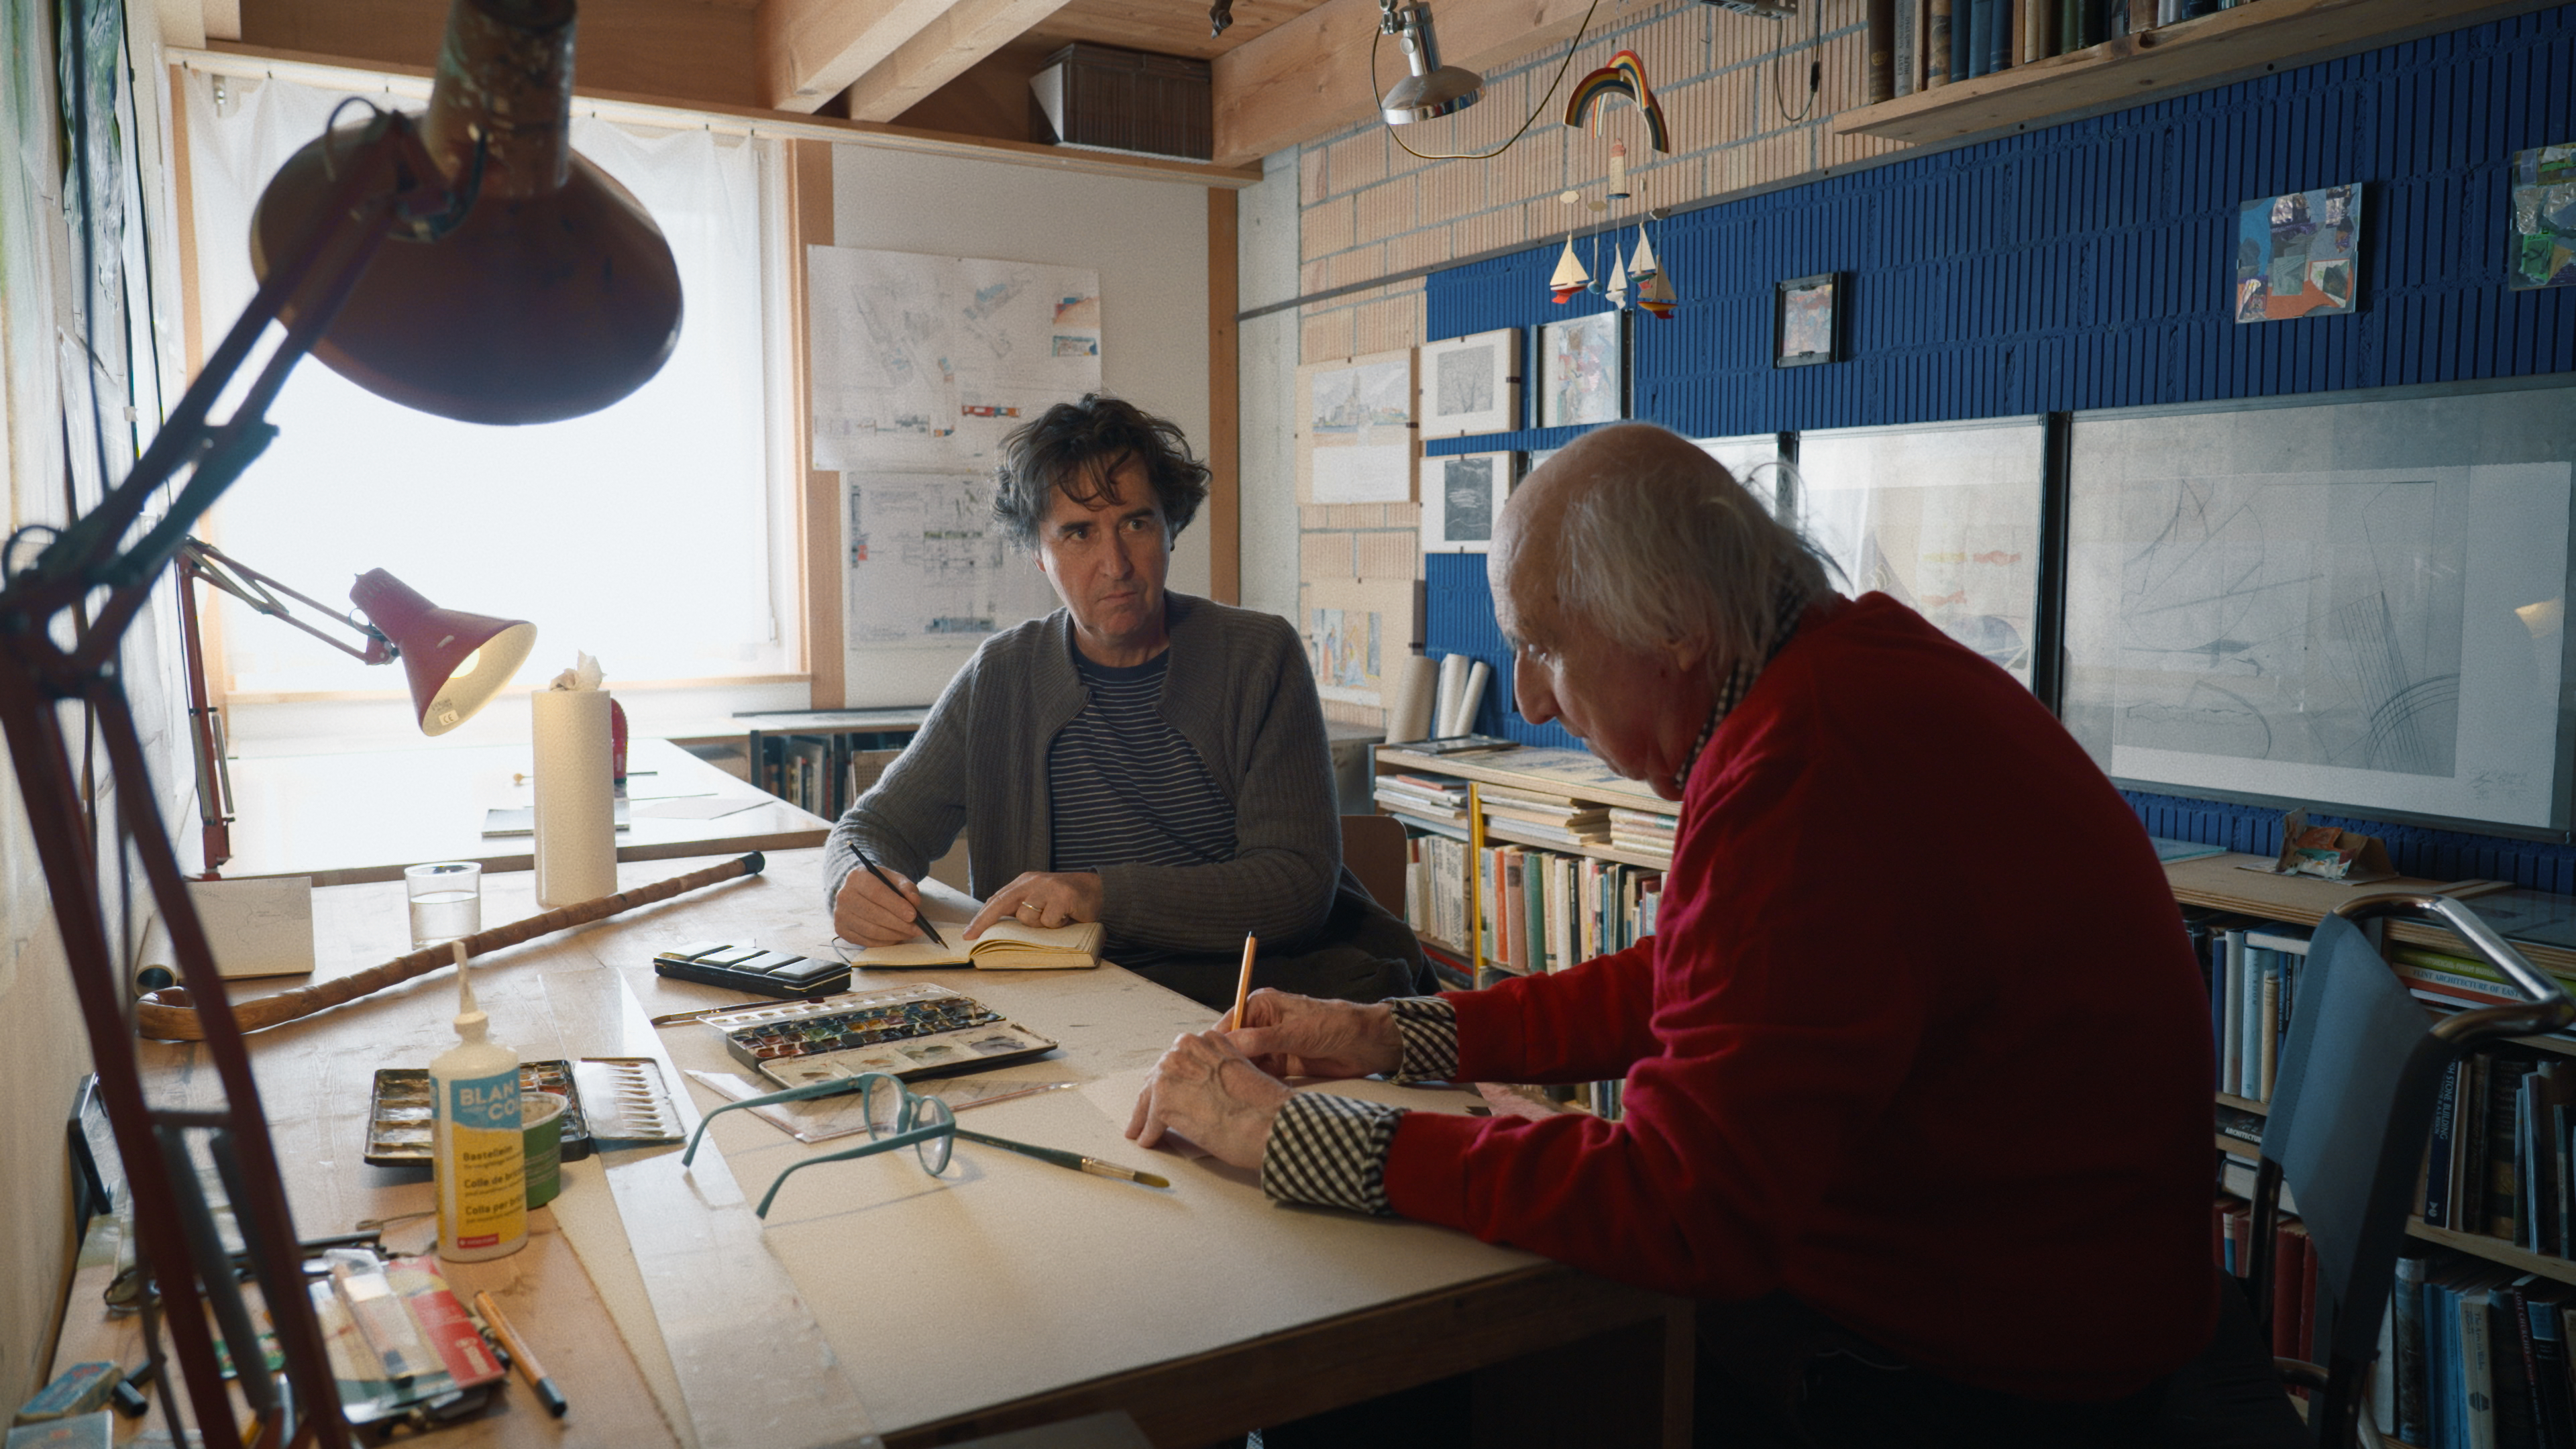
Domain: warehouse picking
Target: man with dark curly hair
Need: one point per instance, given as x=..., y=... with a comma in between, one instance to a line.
x=1145, y=759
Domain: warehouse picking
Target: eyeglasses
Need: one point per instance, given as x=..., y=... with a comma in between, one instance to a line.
x=897, y=1117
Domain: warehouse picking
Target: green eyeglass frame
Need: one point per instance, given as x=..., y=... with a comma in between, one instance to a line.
x=924, y=1124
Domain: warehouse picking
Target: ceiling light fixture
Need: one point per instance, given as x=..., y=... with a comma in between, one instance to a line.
x=1434, y=90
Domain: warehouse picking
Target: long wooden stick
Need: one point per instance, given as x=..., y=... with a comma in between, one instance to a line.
x=167, y=1015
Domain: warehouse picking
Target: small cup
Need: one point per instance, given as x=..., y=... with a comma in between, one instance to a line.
x=446, y=901
x=541, y=1143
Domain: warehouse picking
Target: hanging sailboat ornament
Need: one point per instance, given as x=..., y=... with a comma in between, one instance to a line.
x=1570, y=277
x=1617, y=288
x=1655, y=295
x=1642, y=265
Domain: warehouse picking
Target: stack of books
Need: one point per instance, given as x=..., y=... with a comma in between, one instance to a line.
x=1642, y=830
x=1423, y=795
x=1548, y=819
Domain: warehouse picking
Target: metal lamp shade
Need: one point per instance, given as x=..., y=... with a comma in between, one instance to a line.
x=456, y=661
x=554, y=297
x=1429, y=97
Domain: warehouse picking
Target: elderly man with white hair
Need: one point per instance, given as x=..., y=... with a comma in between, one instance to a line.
x=1917, y=1066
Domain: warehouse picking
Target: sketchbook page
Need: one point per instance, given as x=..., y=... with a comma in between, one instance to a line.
x=1011, y=946
x=946, y=908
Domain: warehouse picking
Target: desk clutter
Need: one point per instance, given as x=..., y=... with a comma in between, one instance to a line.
x=607, y=1099
x=903, y=1031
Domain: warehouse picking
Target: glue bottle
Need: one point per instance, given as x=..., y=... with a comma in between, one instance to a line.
x=476, y=1151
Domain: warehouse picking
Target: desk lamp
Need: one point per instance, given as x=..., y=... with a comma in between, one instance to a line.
x=456, y=661
x=465, y=263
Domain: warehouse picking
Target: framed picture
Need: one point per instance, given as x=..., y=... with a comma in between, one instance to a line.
x=2354, y=606
x=1462, y=495
x=1807, y=320
x=1470, y=385
x=1583, y=370
x=2544, y=219
x=1355, y=429
x=2296, y=255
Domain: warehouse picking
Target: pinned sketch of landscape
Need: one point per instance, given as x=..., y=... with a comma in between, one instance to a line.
x=924, y=363
x=1943, y=520
x=928, y=565
x=2383, y=639
x=1354, y=433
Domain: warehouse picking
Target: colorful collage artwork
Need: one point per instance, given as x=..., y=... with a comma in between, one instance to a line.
x=2298, y=255
x=2544, y=218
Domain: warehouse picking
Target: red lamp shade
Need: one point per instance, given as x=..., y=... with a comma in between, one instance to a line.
x=457, y=661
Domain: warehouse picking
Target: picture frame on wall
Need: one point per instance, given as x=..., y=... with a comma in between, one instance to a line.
x=1583, y=370
x=1462, y=496
x=1355, y=429
x=1807, y=321
x=1469, y=385
x=2298, y=255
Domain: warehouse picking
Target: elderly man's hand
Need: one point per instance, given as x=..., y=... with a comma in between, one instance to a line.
x=1042, y=898
x=1205, y=1090
x=1300, y=1036
x=865, y=913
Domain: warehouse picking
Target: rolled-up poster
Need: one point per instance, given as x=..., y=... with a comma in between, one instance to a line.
x=1417, y=689
x=1453, y=687
x=576, y=802
x=1472, y=698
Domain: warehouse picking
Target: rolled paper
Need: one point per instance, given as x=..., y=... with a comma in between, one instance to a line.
x=1453, y=687
x=1472, y=698
x=1417, y=689
x=576, y=802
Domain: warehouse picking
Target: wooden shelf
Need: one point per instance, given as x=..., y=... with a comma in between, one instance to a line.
x=2496, y=1250
x=1575, y=774
x=2245, y=1104
x=1501, y=829
x=2170, y=60
x=2217, y=881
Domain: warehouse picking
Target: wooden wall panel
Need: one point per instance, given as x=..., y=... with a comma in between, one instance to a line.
x=682, y=50
x=809, y=208
x=1225, y=404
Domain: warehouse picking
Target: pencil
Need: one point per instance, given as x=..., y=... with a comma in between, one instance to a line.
x=1242, y=985
x=529, y=1369
x=918, y=918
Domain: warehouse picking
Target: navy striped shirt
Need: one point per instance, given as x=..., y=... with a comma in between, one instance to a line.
x=1124, y=788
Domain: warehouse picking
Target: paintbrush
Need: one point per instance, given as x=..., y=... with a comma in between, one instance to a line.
x=1062, y=1158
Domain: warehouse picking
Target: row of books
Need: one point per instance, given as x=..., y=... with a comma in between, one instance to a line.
x=2477, y=1355
x=824, y=774
x=1919, y=45
x=2500, y=1158
x=2251, y=971
x=1537, y=910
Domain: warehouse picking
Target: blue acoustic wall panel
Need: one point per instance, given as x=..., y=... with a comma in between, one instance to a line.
x=2086, y=266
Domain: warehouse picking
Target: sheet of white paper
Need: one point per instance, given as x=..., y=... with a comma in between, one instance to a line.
x=691, y=807
x=258, y=927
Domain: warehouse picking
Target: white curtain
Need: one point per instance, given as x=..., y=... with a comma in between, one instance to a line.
x=639, y=534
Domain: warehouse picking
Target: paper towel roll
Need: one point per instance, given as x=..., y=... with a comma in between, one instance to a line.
x=1453, y=686
x=1417, y=689
x=576, y=817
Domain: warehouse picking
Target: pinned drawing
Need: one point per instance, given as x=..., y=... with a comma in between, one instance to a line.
x=928, y=565
x=1356, y=632
x=2296, y=254
x=1471, y=384
x=2384, y=638
x=1462, y=495
x=2543, y=198
x=1945, y=520
x=1355, y=430
x=1582, y=371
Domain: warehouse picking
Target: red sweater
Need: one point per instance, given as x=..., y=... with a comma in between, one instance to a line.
x=1920, y=1040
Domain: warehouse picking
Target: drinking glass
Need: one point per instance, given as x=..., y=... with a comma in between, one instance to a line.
x=446, y=901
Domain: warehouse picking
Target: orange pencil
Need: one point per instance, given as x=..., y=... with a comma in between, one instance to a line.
x=1242, y=987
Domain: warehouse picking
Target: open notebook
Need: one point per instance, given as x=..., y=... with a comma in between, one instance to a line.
x=1005, y=945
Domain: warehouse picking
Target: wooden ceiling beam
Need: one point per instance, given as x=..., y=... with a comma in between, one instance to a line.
x=812, y=50
x=1311, y=74
x=941, y=51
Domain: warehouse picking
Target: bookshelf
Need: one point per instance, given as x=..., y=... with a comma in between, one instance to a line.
x=822, y=760
x=2252, y=39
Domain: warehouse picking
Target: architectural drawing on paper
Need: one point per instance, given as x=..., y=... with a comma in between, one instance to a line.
x=2293, y=619
x=924, y=363
x=928, y=565
x=1355, y=430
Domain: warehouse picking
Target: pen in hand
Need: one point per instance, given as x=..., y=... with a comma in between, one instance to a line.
x=918, y=918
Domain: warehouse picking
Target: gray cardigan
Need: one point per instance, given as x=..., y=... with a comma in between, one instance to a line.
x=1238, y=689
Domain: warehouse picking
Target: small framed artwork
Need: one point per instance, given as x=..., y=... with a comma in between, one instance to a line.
x=1469, y=384
x=1583, y=370
x=2544, y=219
x=1462, y=495
x=1807, y=320
x=2296, y=255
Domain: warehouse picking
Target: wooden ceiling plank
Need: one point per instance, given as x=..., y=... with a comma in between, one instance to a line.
x=940, y=52
x=811, y=50
x=1311, y=75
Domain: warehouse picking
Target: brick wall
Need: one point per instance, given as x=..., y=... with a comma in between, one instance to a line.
x=1368, y=209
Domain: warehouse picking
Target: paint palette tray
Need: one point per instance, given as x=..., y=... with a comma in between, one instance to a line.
x=904, y=1031
x=398, y=1113
x=625, y=1100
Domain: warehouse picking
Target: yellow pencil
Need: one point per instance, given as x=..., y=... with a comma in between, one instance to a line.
x=1242, y=988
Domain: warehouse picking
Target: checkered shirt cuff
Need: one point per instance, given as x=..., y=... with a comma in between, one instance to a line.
x=1428, y=1027
x=1328, y=1151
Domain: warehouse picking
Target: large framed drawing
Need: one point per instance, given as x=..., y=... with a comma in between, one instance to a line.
x=1945, y=519
x=2354, y=604
x=1583, y=370
x=1462, y=495
x=1355, y=430
x=1753, y=459
x=1470, y=385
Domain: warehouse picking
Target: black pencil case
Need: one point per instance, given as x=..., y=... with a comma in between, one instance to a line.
x=750, y=968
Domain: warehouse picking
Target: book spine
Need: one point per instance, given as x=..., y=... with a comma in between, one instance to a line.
x=2406, y=1305
x=2504, y=1194
x=2231, y=1077
x=2477, y=1373
x=1979, y=39
x=2250, y=1067
x=2307, y=1335
x=2438, y=1173
x=2527, y=1346
x=2469, y=1202
x=2268, y=1046
x=2286, y=1258
x=1905, y=58
x=1881, y=42
x=2549, y=1373
x=1939, y=25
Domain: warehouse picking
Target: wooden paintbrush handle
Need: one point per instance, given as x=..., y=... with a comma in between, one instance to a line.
x=167, y=1015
